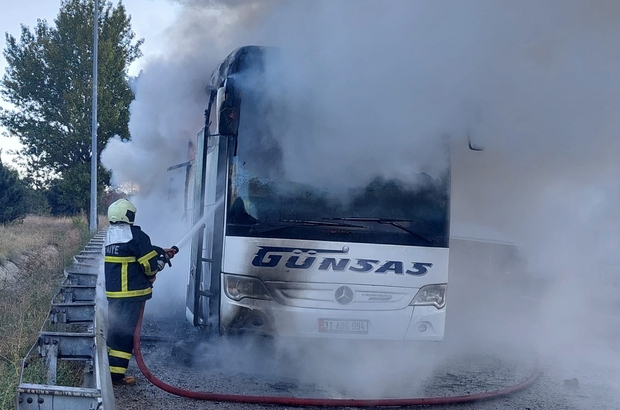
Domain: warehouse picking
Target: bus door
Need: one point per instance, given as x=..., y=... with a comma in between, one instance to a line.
x=209, y=192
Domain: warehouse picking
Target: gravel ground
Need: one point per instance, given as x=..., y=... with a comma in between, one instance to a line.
x=455, y=374
x=488, y=346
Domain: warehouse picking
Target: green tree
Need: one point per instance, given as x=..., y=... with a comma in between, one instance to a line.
x=12, y=195
x=49, y=82
x=36, y=202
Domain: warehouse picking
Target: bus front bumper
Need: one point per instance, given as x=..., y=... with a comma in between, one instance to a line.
x=267, y=317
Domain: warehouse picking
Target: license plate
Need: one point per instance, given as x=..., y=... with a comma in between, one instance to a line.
x=343, y=326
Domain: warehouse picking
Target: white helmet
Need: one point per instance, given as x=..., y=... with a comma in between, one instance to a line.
x=122, y=211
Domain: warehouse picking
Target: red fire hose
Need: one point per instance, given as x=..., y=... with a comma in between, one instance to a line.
x=301, y=401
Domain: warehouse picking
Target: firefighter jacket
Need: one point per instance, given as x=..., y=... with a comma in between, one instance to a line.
x=130, y=262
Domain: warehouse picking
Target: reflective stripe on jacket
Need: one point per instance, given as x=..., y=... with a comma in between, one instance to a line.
x=130, y=262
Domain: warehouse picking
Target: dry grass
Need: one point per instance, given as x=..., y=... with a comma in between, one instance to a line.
x=41, y=247
x=37, y=232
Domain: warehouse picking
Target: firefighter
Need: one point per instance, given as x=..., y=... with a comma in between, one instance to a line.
x=131, y=266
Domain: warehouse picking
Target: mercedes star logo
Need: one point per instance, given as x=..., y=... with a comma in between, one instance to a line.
x=344, y=295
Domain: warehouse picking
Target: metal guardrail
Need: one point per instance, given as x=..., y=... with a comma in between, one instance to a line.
x=67, y=368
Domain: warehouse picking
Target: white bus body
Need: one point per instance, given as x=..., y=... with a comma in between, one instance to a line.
x=274, y=258
x=333, y=289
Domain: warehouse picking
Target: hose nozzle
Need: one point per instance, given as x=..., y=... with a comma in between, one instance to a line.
x=173, y=250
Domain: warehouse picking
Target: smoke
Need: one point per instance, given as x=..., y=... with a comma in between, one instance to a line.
x=372, y=84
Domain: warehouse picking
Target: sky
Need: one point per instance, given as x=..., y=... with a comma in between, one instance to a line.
x=150, y=20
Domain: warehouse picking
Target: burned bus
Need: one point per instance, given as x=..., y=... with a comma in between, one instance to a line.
x=282, y=257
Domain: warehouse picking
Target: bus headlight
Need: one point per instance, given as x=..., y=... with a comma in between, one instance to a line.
x=430, y=295
x=239, y=287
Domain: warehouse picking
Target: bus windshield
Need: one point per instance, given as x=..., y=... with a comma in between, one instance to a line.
x=384, y=211
x=264, y=202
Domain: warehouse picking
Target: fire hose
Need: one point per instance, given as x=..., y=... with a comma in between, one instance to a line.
x=324, y=402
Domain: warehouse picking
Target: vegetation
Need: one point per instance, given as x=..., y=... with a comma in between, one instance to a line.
x=49, y=82
x=40, y=247
x=12, y=195
x=17, y=199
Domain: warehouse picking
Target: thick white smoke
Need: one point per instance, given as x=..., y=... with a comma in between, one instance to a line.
x=536, y=82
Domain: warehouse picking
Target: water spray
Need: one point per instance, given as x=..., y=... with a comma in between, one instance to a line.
x=200, y=224
x=197, y=226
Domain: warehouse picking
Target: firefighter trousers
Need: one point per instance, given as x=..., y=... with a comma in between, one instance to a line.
x=123, y=317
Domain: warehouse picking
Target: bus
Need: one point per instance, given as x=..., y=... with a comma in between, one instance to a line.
x=278, y=257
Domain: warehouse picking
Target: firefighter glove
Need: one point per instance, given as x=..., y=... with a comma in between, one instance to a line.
x=163, y=260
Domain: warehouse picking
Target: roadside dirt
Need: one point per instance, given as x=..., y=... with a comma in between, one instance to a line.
x=45, y=259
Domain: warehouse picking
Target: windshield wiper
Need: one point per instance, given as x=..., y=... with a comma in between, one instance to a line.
x=322, y=223
x=294, y=222
x=393, y=222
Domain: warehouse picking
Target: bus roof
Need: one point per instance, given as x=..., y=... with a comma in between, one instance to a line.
x=238, y=60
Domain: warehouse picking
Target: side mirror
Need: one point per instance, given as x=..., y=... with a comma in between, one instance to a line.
x=472, y=110
x=474, y=143
x=228, y=103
